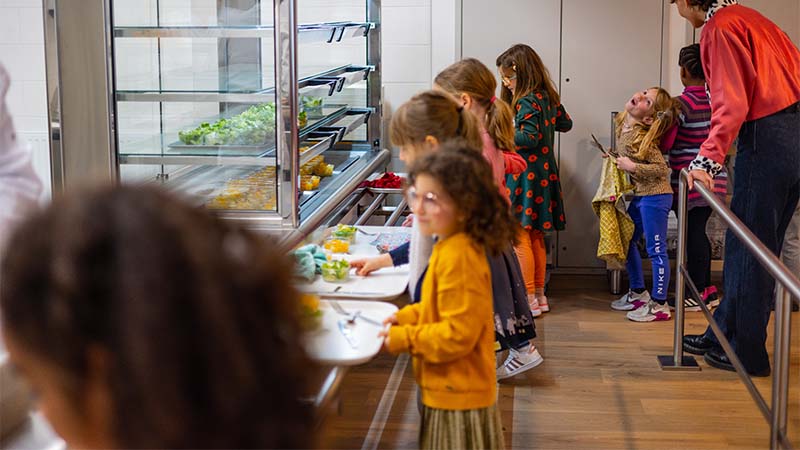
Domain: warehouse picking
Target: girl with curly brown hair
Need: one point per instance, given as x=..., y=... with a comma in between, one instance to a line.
x=142, y=322
x=450, y=333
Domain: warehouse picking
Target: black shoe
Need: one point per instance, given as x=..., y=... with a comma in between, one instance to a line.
x=697, y=344
x=718, y=359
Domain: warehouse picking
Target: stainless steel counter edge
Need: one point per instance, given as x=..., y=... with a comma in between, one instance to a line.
x=314, y=220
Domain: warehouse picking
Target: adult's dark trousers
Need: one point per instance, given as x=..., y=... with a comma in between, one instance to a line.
x=765, y=194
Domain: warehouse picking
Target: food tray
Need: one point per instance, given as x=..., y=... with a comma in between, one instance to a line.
x=332, y=113
x=385, y=190
x=385, y=284
x=388, y=191
x=327, y=345
x=179, y=148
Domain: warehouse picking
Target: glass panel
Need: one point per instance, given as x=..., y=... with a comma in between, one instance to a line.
x=218, y=150
x=320, y=57
x=195, y=100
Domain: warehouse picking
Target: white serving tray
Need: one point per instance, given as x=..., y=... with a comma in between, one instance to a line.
x=327, y=345
x=384, y=284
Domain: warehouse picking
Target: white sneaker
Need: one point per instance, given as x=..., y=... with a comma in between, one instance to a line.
x=650, y=312
x=533, y=302
x=631, y=301
x=518, y=362
x=543, y=304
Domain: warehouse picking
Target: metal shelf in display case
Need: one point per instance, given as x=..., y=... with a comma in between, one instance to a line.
x=317, y=138
x=325, y=84
x=309, y=33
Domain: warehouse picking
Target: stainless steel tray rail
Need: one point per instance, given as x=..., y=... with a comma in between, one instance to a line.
x=788, y=291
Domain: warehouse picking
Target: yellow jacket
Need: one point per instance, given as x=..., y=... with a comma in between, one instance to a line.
x=616, y=226
x=450, y=333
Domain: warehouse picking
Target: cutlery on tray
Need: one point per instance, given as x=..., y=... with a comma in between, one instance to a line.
x=346, y=328
x=353, y=316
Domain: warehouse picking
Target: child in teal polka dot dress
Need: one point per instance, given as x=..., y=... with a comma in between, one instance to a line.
x=536, y=198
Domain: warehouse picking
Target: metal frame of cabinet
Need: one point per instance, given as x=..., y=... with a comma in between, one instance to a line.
x=84, y=121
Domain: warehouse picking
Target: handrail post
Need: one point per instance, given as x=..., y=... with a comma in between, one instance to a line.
x=677, y=361
x=788, y=291
x=780, y=378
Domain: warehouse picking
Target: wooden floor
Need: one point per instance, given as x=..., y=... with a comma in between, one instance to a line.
x=599, y=388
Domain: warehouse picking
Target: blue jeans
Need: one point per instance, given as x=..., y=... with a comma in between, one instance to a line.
x=765, y=194
x=649, y=214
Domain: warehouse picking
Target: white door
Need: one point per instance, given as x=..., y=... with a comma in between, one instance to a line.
x=610, y=48
x=489, y=28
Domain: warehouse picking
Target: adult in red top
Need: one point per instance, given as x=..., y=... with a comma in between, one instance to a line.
x=753, y=76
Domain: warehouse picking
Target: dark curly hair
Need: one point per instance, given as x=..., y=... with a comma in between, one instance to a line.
x=197, y=317
x=705, y=5
x=689, y=59
x=466, y=177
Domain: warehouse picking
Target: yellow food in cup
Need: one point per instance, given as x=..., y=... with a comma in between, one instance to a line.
x=337, y=245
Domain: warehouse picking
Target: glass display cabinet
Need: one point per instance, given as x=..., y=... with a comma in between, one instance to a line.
x=267, y=112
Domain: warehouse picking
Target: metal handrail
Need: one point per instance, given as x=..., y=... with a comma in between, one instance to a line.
x=788, y=285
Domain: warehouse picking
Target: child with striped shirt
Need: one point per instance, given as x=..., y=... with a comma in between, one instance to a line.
x=694, y=124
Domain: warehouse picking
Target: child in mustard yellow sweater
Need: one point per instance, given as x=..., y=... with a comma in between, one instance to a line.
x=450, y=332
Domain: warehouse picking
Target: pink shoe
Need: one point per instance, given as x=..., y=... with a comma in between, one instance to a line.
x=543, y=305
x=711, y=296
x=533, y=302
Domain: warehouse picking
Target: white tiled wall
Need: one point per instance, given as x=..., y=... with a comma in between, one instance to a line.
x=406, y=53
x=406, y=49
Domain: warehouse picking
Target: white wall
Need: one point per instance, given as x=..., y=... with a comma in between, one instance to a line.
x=679, y=34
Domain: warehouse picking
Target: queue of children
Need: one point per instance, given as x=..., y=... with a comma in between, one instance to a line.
x=484, y=188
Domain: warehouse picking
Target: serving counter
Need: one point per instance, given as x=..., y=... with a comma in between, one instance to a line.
x=364, y=299
x=266, y=112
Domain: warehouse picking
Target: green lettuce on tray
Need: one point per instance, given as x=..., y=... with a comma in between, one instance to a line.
x=255, y=126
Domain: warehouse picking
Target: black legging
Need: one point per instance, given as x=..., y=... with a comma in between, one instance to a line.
x=698, y=247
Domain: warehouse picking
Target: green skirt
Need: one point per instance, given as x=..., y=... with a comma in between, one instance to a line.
x=468, y=429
